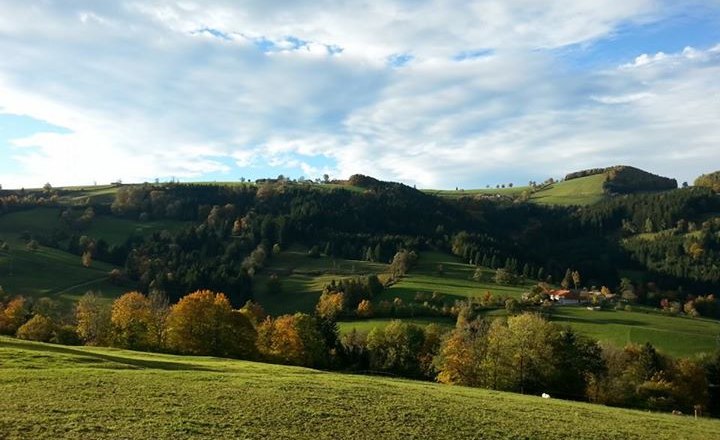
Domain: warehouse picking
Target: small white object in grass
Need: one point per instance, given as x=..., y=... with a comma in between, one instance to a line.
x=545, y=395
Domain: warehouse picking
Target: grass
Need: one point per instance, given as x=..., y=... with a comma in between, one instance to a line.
x=78, y=392
x=116, y=230
x=581, y=191
x=676, y=336
x=53, y=273
x=455, y=282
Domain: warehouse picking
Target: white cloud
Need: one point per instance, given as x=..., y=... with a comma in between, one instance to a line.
x=163, y=88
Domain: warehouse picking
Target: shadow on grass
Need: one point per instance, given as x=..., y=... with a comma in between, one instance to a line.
x=90, y=357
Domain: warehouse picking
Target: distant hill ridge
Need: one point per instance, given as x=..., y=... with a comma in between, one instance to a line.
x=623, y=179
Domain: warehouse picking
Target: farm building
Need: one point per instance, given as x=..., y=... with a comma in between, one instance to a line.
x=564, y=297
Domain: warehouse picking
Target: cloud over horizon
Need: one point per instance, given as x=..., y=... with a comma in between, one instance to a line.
x=434, y=94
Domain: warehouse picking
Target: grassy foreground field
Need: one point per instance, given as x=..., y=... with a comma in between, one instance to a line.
x=79, y=393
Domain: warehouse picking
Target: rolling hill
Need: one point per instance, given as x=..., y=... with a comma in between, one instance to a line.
x=81, y=392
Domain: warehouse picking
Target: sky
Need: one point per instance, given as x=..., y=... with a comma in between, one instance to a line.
x=433, y=93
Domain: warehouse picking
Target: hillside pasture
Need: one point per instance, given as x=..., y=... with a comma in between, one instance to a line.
x=52, y=273
x=458, y=193
x=54, y=392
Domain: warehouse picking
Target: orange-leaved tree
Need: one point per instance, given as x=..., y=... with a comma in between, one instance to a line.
x=292, y=339
x=13, y=316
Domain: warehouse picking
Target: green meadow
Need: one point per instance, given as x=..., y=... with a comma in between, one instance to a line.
x=674, y=335
x=455, y=194
x=52, y=392
x=114, y=230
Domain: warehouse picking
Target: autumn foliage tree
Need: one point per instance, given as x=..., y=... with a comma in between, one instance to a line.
x=131, y=320
x=13, y=315
x=330, y=305
x=292, y=339
x=204, y=323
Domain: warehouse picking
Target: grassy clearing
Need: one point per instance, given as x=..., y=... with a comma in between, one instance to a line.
x=79, y=392
x=676, y=336
x=455, y=282
x=581, y=191
x=116, y=230
x=303, y=279
x=89, y=194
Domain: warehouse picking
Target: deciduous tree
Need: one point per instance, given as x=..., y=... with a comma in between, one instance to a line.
x=203, y=323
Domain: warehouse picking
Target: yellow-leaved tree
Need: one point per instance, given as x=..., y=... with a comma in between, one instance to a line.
x=330, y=305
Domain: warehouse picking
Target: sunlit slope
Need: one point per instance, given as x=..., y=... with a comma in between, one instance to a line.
x=580, y=191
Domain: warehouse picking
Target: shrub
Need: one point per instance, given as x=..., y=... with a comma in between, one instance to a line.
x=66, y=335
